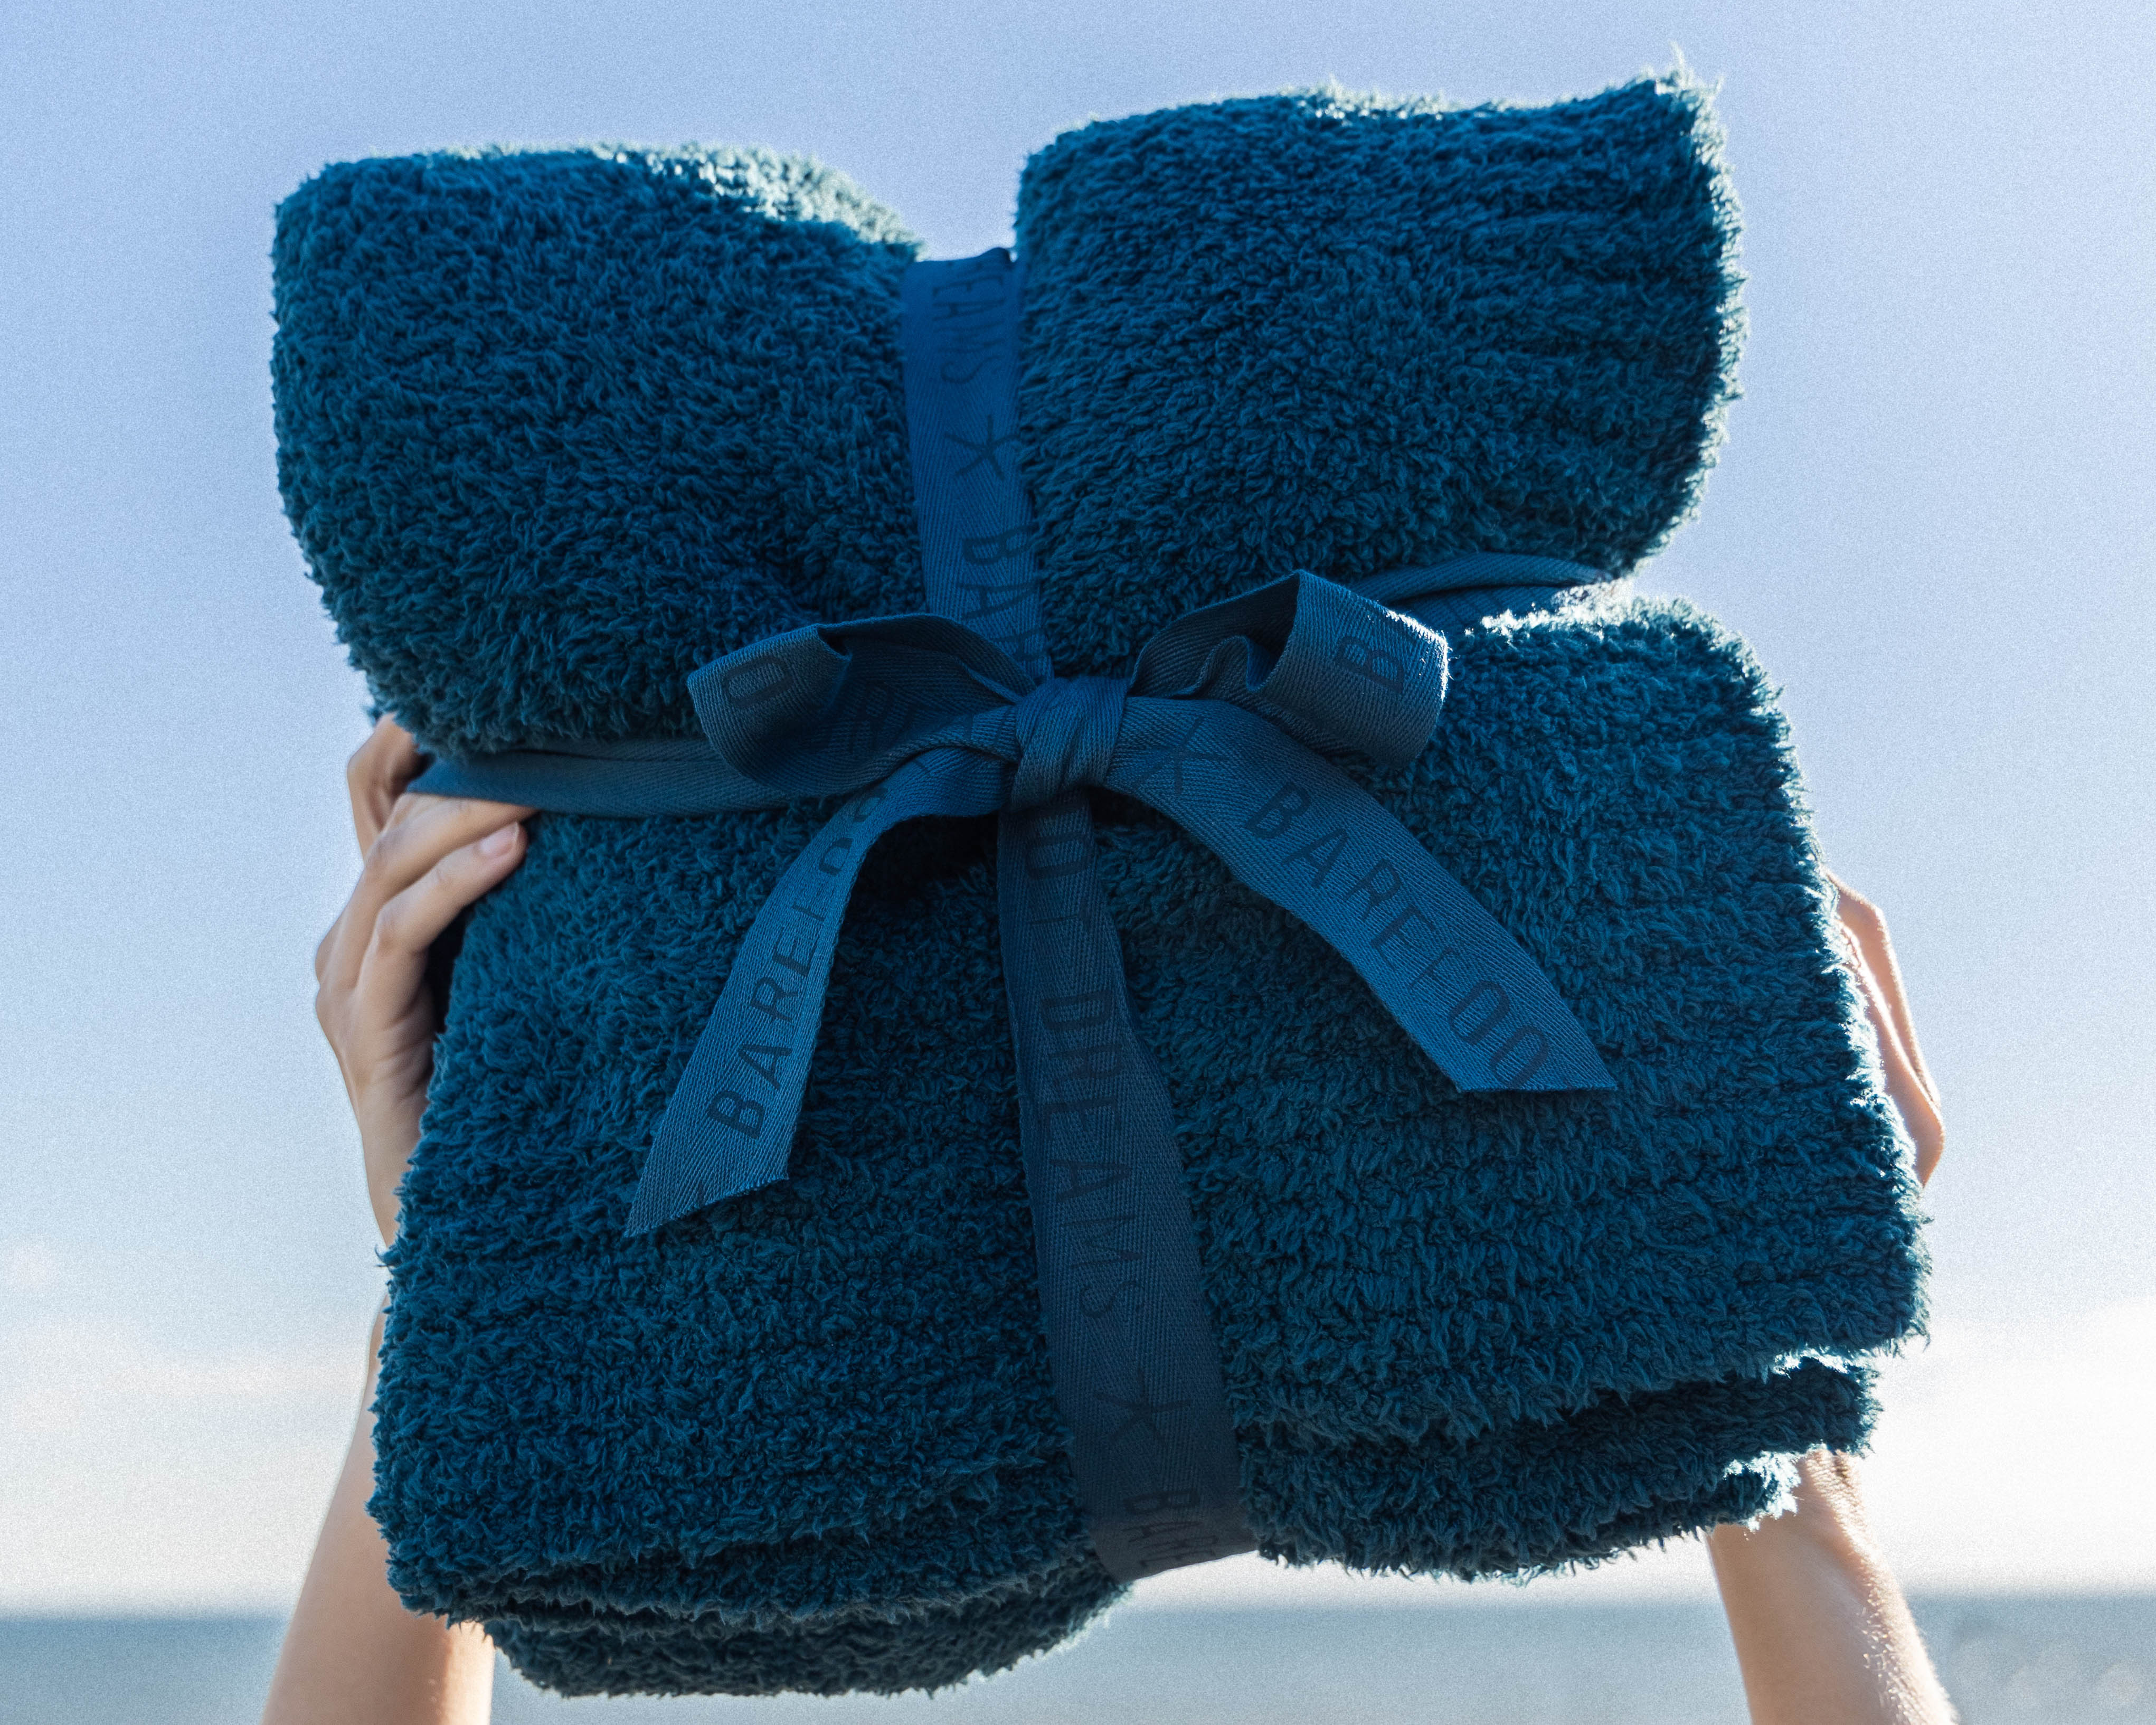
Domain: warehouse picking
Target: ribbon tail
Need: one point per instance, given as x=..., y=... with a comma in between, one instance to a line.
x=1136, y=1371
x=728, y=1128
x=1292, y=827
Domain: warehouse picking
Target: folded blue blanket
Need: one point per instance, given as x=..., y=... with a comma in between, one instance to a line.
x=556, y=427
x=1543, y=1485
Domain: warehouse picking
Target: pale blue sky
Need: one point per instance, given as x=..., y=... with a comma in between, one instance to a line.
x=1933, y=519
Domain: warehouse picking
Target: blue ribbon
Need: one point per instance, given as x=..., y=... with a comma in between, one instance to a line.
x=1132, y=1354
x=1225, y=725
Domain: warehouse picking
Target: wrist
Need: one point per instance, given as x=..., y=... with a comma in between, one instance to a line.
x=384, y=1206
x=1825, y=1516
x=1819, y=1626
x=386, y=1148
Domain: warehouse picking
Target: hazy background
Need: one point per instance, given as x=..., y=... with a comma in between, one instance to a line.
x=1932, y=519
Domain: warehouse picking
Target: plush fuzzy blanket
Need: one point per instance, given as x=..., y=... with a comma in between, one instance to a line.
x=557, y=427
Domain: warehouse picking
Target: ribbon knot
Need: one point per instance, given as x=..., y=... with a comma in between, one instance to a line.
x=1066, y=730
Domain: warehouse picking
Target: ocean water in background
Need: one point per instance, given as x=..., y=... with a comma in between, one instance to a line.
x=2090, y=1659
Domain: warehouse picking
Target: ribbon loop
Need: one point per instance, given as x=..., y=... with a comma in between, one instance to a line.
x=1337, y=671
x=820, y=712
x=827, y=710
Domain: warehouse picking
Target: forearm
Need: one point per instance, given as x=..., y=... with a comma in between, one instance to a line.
x=352, y=1653
x=1823, y=1634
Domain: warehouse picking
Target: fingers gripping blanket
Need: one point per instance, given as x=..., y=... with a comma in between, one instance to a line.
x=556, y=428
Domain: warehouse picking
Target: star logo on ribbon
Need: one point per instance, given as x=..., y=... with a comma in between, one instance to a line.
x=1141, y=1413
x=984, y=452
x=1179, y=754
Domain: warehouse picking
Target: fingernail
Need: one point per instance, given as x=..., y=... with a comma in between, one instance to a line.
x=497, y=843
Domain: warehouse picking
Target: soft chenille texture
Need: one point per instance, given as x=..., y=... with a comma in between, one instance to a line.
x=555, y=428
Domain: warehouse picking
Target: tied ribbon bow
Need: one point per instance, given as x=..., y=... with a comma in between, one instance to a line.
x=1223, y=725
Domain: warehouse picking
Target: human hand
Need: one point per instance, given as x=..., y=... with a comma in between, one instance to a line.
x=425, y=860
x=1870, y=956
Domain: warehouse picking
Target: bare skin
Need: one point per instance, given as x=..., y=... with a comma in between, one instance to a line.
x=1823, y=1634
x=352, y=1653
